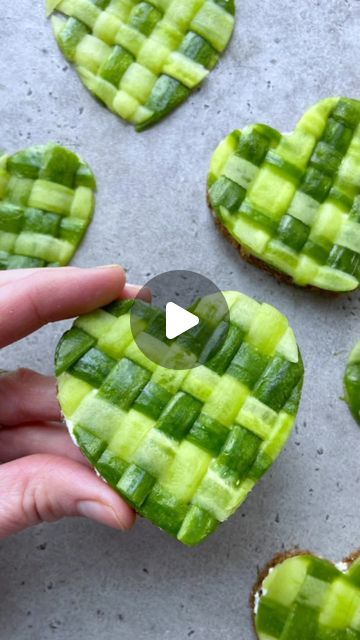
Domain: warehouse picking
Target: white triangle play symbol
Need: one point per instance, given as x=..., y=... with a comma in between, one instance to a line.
x=178, y=320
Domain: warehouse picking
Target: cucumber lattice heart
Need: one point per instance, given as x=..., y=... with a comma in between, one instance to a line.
x=291, y=202
x=184, y=447
x=307, y=598
x=352, y=382
x=142, y=58
x=46, y=205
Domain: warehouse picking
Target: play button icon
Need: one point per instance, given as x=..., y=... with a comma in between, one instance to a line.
x=185, y=323
x=178, y=320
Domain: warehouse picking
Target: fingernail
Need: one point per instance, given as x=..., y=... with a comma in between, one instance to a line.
x=100, y=512
x=132, y=288
x=138, y=291
x=109, y=266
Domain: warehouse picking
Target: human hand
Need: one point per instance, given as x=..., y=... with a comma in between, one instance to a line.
x=43, y=475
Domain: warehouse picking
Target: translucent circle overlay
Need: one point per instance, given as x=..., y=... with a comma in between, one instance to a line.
x=193, y=292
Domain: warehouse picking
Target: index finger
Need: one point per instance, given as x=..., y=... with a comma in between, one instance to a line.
x=48, y=295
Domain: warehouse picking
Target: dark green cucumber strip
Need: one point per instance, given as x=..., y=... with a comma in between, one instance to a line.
x=167, y=94
x=115, y=66
x=277, y=382
x=124, y=383
x=352, y=382
x=93, y=367
x=144, y=17
x=89, y=443
x=226, y=193
x=316, y=184
x=179, y=416
x=162, y=508
x=39, y=222
x=223, y=356
x=11, y=217
x=293, y=232
x=198, y=49
x=240, y=451
x=208, y=434
x=152, y=400
x=111, y=467
x=72, y=346
x=135, y=485
x=26, y=163
x=60, y=166
x=248, y=365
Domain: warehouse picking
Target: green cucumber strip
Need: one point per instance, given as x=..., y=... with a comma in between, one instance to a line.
x=208, y=434
x=197, y=526
x=135, y=485
x=293, y=232
x=164, y=510
x=60, y=165
x=152, y=400
x=27, y=163
x=89, y=443
x=198, y=49
x=72, y=346
x=179, y=415
x=352, y=382
x=167, y=94
x=240, y=451
x=93, y=367
x=223, y=357
x=114, y=67
x=144, y=17
x=124, y=383
x=11, y=217
x=277, y=382
x=111, y=467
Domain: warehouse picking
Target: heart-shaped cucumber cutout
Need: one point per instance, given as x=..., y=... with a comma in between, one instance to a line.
x=184, y=447
x=46, y=205
x=352, y=382
x=142, y=59
x=292, y=201
x=308, y=598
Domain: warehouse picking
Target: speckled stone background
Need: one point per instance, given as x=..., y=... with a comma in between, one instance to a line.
x=80, y=580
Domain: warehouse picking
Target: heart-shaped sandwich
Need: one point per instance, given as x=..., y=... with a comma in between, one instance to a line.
x=46, y=205
x=352, y=382
x=184, y=447
x=142, y=59
x=308, y=598
x=291, y=201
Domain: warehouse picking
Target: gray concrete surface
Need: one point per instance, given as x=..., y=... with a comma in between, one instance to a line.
x=79, y=580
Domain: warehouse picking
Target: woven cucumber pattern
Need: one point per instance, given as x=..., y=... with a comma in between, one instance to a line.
x=46, y=205
x=142, y=59
x=309, y=598
x=183, y=447
x=293, y=200
x=352, y=382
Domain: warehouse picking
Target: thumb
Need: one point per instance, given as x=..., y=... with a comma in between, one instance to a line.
x=45, y=488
